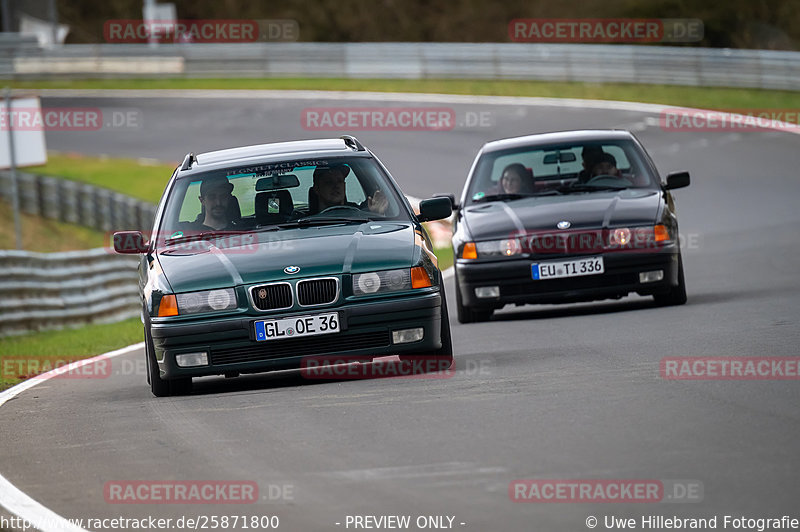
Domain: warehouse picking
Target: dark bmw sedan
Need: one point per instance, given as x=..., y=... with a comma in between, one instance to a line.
x=266, y=257
x=566, y=217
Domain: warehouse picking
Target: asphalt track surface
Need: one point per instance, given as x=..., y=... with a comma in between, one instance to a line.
x=540, y=392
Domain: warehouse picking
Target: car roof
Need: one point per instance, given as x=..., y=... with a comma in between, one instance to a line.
x=585, y=135
x=262, y=153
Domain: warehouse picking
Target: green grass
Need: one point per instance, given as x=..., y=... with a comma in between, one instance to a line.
x=445, y=256
x=704, y=97
x=129, y=176
x=44, y=235
x=69, y=344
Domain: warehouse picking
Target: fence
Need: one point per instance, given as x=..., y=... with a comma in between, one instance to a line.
x=78, y=203
x=673, y=65
x=55, y=290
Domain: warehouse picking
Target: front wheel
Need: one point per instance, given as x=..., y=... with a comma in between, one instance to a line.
x=158, y=386
x=444, y=355
x=467, y=315
x=677, y=294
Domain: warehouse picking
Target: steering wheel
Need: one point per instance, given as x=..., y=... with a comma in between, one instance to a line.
x=334, y=207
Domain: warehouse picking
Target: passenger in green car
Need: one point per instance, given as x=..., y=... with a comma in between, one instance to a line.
x=220, y=208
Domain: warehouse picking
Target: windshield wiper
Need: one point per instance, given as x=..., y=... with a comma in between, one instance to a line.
x=201, y=235
x=592, y=188
x=326, y=220
x=499, y=197
x=510, y=197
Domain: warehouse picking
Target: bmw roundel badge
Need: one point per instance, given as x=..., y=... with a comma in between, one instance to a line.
x=291, y=269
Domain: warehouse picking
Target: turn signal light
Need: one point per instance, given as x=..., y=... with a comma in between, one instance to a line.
x=419, y=277
x=469, y=251
x=168, y=306
x=661, y=233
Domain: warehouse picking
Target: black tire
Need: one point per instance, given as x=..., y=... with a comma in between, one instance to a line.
x=443, y=355
x=466, y=314
x=158, y=386
x=677, y=294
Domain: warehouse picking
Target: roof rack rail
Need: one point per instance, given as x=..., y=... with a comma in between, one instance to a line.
x=353, y=143
x=188, y=161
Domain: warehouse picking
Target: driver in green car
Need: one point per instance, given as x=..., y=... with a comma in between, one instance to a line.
x=329, y=191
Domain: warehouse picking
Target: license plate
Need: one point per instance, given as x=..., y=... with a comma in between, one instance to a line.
x=297, y=326
x=567, y=268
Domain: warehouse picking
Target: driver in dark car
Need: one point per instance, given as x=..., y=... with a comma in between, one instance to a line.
x=590, y=155
x=329, y=191
x=606, y=164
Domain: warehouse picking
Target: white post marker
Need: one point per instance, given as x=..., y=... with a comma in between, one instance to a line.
x=25, y=148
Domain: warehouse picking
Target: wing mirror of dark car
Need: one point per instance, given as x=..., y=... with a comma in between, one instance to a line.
x=435, y=209
x=129, y=242
x=677, y=180
x=451, y=197
x=275, y=182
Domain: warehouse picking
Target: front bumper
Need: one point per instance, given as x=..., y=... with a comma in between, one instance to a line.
x=366, y=332
x=513, y=277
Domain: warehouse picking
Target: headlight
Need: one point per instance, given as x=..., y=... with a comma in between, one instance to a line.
x=390, y=281
x=206, y=301
x=508, y=247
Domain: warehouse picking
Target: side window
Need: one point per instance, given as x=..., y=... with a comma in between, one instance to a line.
x=244, y=190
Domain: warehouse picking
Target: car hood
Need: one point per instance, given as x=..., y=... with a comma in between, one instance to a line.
x=262, y=256
x=583, y=210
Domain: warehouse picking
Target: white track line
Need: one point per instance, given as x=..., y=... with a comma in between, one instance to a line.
x=11, y=497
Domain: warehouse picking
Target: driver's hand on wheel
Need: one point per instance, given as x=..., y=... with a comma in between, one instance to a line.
x=377, y=203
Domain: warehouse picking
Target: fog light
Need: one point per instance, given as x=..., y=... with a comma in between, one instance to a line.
x=651, y=277
x=189, y=360
x=404, y=336
x=485, y=292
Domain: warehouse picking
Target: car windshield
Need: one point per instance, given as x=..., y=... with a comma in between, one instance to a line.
x=565, y=168
x=279, y=195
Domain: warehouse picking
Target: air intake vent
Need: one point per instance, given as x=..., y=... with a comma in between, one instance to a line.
x=317, y=291
x=272, y=296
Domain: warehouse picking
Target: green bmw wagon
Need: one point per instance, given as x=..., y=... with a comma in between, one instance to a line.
x=264, y=257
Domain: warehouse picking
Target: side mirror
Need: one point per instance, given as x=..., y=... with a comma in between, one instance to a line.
x=434, y=209
x=677, y=180
x=452, y=198
x=129, y=242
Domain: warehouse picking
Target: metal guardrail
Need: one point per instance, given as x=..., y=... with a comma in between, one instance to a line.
x=546, y=62
x=68, y=289
x=78, y=203
x=55, y=290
